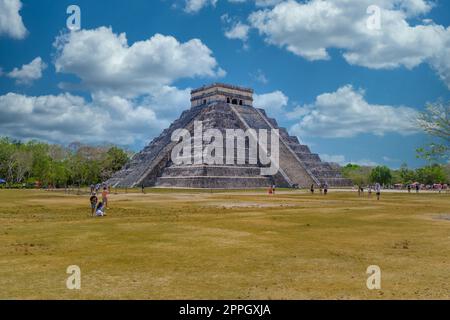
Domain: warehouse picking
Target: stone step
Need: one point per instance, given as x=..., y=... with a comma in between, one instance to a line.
x=199, y=170
x=215, y=182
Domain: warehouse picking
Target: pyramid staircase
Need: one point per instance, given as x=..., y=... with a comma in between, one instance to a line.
x=297, y=165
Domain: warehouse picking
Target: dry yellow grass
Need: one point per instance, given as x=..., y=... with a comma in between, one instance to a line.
x=177, y=244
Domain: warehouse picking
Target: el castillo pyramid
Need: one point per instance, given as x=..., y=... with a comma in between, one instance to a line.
x=221, y=106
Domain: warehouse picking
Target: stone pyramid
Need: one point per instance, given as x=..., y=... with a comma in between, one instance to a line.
x=220, y=106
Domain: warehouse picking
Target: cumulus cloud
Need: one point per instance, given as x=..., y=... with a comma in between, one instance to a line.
x=130, y=86
x=11, y=23
x=28, y=72
x=65, y=118
x=309, y=29
x=238, y=31
x=193, y=6
x=272, y=102
x=104, y=61
x=345, y=113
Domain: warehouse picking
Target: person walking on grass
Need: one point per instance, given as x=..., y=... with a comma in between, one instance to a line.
x=325, y=188
x=105, y=195
x=93, y=199
x=378, y=190
x=312, y=189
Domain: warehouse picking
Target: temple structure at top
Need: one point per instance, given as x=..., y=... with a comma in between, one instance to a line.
x=220, y=92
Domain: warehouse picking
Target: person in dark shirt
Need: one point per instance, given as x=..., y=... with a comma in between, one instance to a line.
x=93, y=199
x=100, y=209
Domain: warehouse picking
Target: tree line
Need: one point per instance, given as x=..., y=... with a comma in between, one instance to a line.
x=37, y=163
x=428, y=175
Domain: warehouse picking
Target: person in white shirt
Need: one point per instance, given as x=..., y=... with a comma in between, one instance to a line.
x=378, y=190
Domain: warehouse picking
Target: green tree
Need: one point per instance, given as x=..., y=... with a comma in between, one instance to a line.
x=381, y=174
x=358, y=174
x=406, y=176
x=436, y=122
x=114, y=161
x=57, y=165
x=431, y=174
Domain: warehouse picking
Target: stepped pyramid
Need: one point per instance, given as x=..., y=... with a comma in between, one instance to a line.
x=221, y=106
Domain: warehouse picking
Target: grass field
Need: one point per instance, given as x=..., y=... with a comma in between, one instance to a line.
x=181, y=244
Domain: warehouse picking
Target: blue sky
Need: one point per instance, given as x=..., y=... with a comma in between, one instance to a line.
x=347, y=92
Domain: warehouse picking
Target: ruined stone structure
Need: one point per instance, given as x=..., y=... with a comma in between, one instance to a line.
x=222, y=107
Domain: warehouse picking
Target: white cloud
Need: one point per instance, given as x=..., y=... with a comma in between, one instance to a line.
x=345, y=113
x=272, y=102
x=65, y=118
x=259, y=3
x=308, y=29
x=104, y=61
x=193, y=6
x=28, y=72
x=266, y=3
x=131, y=93
x=238, y=31
x=11, y=23
x=342, y=161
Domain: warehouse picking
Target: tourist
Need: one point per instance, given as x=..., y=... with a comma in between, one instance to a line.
x=143, y=189
x=320, y=188
x=312, y=188
x=92, y=188
x=105, y=197
x=270, y=190
x=273, y=188
x=93, y=199
x=378, y=190
x=409, y=188
x=325, y=188
x=100, y=212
